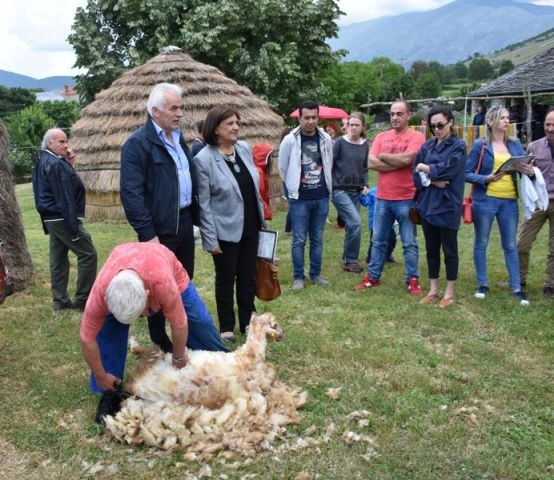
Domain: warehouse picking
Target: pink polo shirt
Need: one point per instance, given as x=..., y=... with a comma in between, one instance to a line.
x=163, y=275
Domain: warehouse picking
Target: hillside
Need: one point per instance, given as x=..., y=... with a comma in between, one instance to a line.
x=447, y=34
x=10, y=79
x=522, y=51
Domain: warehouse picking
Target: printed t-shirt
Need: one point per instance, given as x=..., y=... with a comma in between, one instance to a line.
x=398, y=184
x=312, y=178
x=162, y=274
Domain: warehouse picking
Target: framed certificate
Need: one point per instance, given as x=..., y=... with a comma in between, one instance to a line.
x=267, y=244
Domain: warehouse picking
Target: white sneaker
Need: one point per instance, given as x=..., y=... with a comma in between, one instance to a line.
x=298, y=284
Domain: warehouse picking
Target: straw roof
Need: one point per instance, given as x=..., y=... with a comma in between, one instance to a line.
x=119, y=110
x=533, y=76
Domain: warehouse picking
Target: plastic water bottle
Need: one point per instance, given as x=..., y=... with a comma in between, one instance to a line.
x=425, y=180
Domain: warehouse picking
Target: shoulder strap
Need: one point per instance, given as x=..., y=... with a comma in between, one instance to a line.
x=480, y=158
x=478, y=167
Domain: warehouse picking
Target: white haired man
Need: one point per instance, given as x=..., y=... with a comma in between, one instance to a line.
x=60, y=201
x=156, y=185
x=139, y=279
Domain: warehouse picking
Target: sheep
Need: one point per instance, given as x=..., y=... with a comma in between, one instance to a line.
x=217, y=401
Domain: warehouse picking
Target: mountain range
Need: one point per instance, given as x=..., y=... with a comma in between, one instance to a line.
x=447, y=34
x=10, y=79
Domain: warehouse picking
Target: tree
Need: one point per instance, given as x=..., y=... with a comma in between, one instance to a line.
x=348, y=85
x=418, y=68
x=505, y=66
x=275, y=47
x=393, y=81
x=64, y=114
x=460, y=69
x=427, y=85
x=480, y=69
x=26, y=129
x=14, y=99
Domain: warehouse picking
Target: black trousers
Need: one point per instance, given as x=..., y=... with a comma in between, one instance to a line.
x=236, y=265
x=435, y=238
x=182, y=245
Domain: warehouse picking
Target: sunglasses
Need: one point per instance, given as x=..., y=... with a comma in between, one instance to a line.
x=437, y=126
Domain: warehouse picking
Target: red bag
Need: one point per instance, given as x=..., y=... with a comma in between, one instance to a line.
x=467, y=210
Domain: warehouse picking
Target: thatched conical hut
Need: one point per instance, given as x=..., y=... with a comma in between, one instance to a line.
x=119, y=110
x=12, y=234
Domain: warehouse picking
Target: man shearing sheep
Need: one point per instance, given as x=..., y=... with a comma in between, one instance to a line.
x=139, y=279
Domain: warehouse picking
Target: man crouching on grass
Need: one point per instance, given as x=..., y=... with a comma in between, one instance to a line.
x=140, y=279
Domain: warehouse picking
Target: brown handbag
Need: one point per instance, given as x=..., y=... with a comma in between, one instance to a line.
x=467, y=202
x=414, y=216
x=267, y=280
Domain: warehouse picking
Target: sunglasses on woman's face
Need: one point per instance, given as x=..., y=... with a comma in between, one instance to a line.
x=437, y=126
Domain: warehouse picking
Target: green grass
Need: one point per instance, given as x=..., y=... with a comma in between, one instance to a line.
x=459, y=394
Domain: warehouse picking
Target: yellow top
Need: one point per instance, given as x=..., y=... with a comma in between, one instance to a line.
x=504, y=188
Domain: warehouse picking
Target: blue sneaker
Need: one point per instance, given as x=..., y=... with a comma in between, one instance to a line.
x=519, y=295
x=481, y=292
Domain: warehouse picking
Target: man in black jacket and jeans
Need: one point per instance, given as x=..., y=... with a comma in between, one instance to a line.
x=156, y=186
x=60, y=201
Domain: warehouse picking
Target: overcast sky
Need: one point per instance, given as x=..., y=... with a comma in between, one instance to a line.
x=33, y=39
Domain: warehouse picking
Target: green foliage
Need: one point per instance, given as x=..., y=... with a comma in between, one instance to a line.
x=64, y=114
x=14, y=99
x=427, y=85
x=26, y=129
x=480, y=69
x=275, y=47
x=460, y=70
x=505, y=66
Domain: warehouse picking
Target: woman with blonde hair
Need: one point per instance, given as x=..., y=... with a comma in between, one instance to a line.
x=495, y=195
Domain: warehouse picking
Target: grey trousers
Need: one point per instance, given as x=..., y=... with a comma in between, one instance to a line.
x=60, y=245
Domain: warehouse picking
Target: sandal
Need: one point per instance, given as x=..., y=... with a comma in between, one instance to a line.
x=429, y=298
x=446, y=302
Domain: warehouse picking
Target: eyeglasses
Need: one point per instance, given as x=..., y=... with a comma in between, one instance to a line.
x=437, y=126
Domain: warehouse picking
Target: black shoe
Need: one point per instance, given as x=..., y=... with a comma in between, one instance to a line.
x=109, y=404
x=548, y=292
x=63, y=306
x=80, y=307
x=390, y=259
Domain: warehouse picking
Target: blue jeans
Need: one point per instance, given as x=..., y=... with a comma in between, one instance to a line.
x=386, y=212
x=112, y=338
x=348, y=207
x=308, y=218
x=506, y=212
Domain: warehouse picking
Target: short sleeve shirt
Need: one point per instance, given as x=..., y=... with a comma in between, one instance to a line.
x=398, y=184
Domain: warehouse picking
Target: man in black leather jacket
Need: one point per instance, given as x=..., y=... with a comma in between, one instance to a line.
x=60, y=201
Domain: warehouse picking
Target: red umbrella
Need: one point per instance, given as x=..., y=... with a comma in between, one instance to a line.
x=325, y=112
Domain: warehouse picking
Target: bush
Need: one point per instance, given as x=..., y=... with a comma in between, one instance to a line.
x=21, y=163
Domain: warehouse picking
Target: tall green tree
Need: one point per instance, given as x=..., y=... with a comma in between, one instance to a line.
x=480, y=69
x=460, y=69
x=427, y=85
x=505, y=66
x=275, y=47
